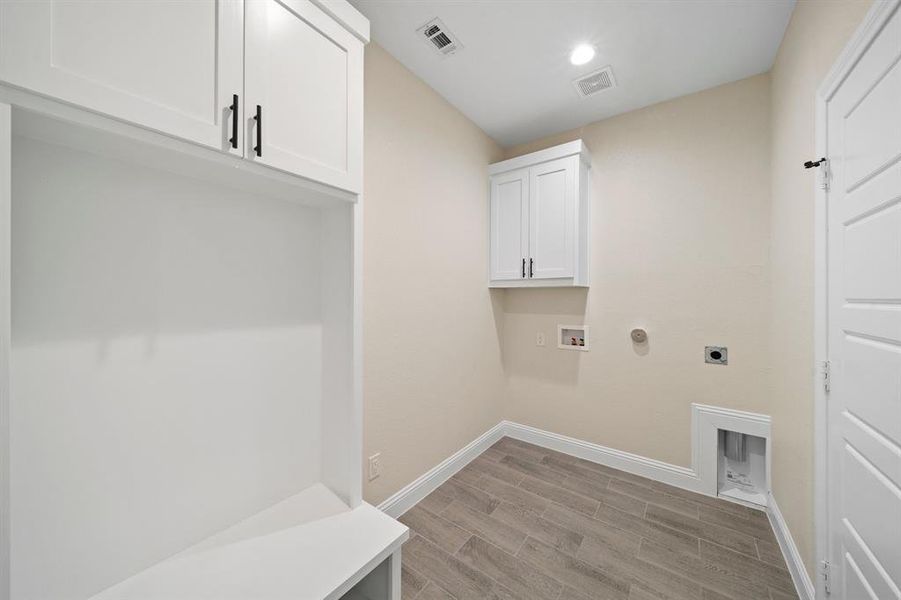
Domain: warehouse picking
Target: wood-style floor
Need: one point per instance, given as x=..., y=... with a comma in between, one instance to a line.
x=523, y=522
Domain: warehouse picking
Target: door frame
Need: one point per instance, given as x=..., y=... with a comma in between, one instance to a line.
x=859, y=42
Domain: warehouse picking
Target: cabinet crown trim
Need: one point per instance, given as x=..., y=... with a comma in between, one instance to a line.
x=349, y=17
x=542, y=156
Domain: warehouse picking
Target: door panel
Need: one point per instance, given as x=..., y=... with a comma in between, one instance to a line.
x=552, y=218
x=509, y=225
x=169, y=66
x=306, y=73
x=864, y=329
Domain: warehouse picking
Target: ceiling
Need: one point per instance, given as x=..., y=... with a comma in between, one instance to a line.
x=513, y=77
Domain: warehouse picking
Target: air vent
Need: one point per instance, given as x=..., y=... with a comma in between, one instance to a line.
x=595, y=82
x=439, y=38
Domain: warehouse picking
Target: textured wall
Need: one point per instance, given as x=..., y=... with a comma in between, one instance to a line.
x=433, y=380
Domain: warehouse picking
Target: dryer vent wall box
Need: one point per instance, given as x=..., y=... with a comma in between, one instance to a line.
x=540, y=219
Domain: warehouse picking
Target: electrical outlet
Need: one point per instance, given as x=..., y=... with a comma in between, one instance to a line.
x=539, y=339
x=375, y=466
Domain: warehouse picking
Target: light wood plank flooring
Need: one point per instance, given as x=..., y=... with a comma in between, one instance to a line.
x=523, y=522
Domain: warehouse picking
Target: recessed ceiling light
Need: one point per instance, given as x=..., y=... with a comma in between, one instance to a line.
x=581, y=54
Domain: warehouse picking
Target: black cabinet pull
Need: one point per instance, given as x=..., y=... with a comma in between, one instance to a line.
x=531, y=264
x=234, y=138
x=523, y=268
x=259, y=119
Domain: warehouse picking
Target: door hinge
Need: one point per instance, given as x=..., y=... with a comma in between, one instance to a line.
x=827, y=375
x=826, y=574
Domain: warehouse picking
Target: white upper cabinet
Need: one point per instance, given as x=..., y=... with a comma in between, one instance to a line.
x=174, y=67
x=279, y=82
x=540, y=219
x=305, y=72
x=509, y=225
x=552, y=209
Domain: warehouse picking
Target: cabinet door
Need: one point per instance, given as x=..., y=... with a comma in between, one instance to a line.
x=509, y=225
x=552, y=203
x=169, y=66
x=305, y=72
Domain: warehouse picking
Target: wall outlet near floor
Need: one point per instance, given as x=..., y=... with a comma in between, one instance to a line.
x=539, y=339
x=375, y=466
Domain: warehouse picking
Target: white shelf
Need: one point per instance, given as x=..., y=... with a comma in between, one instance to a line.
x=310, y=546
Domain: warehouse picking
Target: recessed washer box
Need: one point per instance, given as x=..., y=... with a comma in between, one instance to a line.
x=572, y=337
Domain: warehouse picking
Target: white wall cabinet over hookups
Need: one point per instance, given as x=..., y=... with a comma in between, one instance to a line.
x=539, y=234
x=279, y=82
x=180, y=315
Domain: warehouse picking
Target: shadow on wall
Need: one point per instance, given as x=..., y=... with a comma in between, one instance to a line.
x=106, y=249
x=530, y=313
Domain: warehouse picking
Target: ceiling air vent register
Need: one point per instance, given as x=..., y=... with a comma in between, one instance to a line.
x=594, y=82
x=439, y=38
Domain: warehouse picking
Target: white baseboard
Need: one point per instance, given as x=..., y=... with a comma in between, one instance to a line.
x=801, y=579
x=682, y=477
x=411, y=494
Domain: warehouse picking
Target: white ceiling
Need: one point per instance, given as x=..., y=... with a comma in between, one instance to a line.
x=513, y=76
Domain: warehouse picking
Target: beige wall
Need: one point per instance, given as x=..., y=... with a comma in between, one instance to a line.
x=680, y=197
x=701, y=233
x=433, y=380
x=815, y=36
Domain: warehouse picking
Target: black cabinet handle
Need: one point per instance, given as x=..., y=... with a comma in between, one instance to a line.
x=259, y=119
x=523, y=268
x=531, y=264
x=234, y=138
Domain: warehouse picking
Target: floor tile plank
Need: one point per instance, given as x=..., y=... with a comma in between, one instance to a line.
x=673, y=539
x=603, y=494
x=538, y=527
x=576, y=470
x=588, y=527
x=702, y=572
x=437, y=500
x=535, y=470
x=484, y=466
x=557, y=494
x=681, y=505
x=725, y=536
x=433, y=592
x=524, y=581
x=746, y=566
x=438, y=530
x=576, y=573
x=770, y=552
x=470, y=496
x=522, y=450
x=753, y=527
x=485, y=526
x=411, y=582
x=655, y=581
x=514, y=495
x=452, y=574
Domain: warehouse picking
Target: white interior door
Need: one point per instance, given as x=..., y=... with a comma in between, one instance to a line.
x=509, y=225
x=170, y=66
x=552, y=202
x=305, y=72
x=864, y=329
